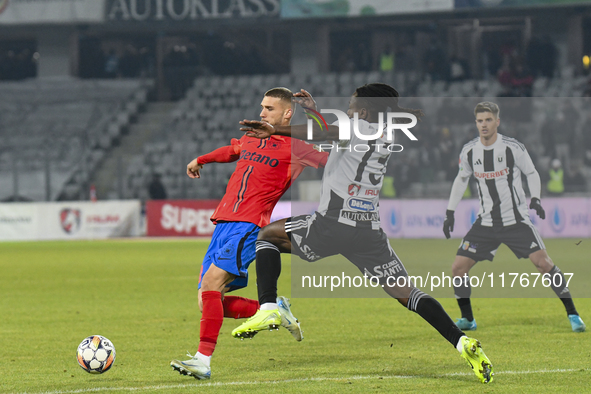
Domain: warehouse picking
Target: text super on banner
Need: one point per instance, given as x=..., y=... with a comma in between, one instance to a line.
x=180, y=218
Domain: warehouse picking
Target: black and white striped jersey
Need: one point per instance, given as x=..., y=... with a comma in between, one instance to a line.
x=498, y=168
x=353, y=177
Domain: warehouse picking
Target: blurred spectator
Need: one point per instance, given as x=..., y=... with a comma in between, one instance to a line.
x=555, y=185
x=571, y=120
x=363, y=57
x=516, y=79
x=18, y=64
x=587, y=92
x=388, y=190
x=112, y=64
x=428, y=159
x=548, y=57
x=586, y=138
x=181, y=67
x=405, y=58
x=548, y=130
x=387, y=59
x=563, y=134
x=156, y=189
x=130, y=62
x=458, y=69
x=405, y=173
x=448, y=156
x=147, y=62
x=346, y=61
x=436, y=61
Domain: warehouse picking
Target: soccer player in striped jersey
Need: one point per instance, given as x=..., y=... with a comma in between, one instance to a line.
x=497, y=162
x=265, y=169
x=347, y=221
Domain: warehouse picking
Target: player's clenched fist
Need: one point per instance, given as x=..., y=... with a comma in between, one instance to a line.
x=193, y=169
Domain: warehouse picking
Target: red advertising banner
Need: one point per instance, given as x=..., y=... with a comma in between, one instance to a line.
x=178, y=218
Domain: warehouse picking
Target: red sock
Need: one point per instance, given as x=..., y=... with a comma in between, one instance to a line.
x=211, y=321
x=239, y=307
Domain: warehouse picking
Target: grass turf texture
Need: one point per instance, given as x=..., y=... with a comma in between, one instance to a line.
x=142, y=295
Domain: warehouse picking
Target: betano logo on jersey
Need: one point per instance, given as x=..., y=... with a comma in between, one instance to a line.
x=253, y=156
x=344, y=123
x=492, y=174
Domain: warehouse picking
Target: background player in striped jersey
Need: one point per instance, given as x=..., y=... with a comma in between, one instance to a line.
x=497, y=161
x=348, y=222
x=264, y=171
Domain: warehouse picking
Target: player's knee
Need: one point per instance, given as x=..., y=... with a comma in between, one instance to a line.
x=461, y=266
x=265, y=234
x=545, y=264
x=542, y=261
x=457, y=269
x=206, y=284
x=275, y=234
x=214, y=281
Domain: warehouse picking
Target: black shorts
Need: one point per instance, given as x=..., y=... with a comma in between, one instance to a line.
x=481, y=243
x=314, y=237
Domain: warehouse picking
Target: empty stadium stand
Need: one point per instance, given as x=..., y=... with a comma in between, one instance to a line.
x=59, y=129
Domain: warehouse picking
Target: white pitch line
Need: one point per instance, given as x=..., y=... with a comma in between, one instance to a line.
x=299, y=380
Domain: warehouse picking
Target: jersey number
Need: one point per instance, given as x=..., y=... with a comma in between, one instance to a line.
x=373, y=178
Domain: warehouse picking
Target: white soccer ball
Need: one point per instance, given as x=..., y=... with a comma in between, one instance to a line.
x=96, y=354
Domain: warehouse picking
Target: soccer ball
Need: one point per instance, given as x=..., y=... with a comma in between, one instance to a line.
x=96, y=354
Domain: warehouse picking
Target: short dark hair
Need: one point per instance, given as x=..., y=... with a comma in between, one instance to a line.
x=487, y=106
x=379, y=97
x=281, y=93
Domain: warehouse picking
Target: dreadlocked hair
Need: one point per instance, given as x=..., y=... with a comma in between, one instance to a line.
x=380, y=97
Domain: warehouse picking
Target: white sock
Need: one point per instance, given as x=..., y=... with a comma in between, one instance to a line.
x=269, y=306
x=204, y=359
x=460, y=346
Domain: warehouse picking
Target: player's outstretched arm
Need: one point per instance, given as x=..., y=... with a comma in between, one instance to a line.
x=262, y=130
x=225, y=154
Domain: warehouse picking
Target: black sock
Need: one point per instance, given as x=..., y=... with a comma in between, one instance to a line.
x=562, y=291
x=463, y=291
x=431, y=310
x=268, y=269
x=466, y=308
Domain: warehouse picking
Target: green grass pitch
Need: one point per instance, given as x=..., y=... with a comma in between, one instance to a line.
x=142, y=295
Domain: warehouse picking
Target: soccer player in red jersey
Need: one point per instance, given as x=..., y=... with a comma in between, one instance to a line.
x=265, y=169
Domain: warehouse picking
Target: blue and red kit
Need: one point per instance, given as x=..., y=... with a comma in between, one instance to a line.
x=265, y=169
